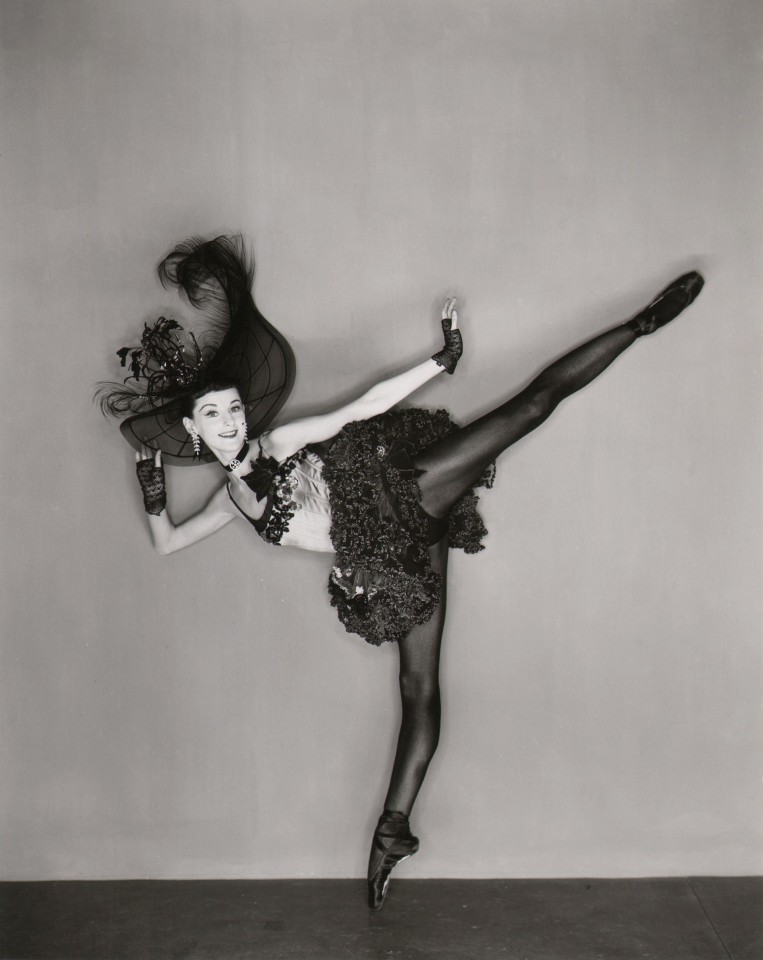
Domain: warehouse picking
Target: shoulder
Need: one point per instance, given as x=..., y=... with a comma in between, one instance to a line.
x=279, y=443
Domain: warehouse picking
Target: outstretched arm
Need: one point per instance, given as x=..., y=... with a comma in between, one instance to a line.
x=287, y=439
x=166, y=536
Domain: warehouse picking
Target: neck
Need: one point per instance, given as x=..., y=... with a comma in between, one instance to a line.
x=236, y=462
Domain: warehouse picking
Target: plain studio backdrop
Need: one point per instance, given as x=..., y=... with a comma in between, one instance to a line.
x=553, y=165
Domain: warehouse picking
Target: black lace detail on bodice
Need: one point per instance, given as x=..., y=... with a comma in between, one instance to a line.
x=276, y=481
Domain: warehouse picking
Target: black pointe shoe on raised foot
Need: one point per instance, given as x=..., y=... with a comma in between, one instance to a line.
x=392, y=843
x=673, y=300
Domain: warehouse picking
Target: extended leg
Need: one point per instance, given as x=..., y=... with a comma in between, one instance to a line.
x=417, y=741
x=454, y=463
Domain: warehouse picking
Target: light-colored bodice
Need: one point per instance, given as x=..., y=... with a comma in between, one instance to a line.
x=309, y=528
x=298, y=510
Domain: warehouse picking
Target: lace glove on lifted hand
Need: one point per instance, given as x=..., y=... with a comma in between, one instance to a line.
x=449, y=356
x=151, y=479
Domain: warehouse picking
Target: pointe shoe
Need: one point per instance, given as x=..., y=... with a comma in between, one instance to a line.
x=393, y=842
x=673, y=300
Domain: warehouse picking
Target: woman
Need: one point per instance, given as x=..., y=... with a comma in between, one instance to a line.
x=387, y=493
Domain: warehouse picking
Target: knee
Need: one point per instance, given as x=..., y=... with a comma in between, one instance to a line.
x=539, y=401
x=420, y=689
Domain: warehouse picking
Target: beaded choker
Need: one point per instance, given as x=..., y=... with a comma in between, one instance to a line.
x=238, y=459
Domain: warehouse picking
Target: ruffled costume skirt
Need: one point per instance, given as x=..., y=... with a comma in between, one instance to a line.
x=382, y=583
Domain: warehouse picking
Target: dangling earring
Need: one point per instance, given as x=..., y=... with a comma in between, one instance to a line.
x=246, y=435
x=196, y=440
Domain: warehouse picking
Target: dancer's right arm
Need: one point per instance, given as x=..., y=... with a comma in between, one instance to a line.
x=166, y=536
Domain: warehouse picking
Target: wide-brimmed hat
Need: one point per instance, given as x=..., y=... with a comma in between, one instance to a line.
x=238, y=346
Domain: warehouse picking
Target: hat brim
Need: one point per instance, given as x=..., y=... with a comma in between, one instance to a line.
x=263, y=368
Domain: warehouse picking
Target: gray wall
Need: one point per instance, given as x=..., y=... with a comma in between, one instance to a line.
x=552, y=164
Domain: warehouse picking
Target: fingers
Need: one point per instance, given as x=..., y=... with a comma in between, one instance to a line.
x=146, y=453
x=449, y=311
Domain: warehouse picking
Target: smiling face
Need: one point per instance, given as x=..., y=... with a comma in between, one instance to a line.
x=220, y=421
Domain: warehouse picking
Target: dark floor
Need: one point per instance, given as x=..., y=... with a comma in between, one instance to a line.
x=666, y=919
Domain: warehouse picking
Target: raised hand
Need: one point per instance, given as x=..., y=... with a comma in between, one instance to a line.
x=449, y=356
x=449, y=312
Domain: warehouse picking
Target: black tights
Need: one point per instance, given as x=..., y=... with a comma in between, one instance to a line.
x=452, y=466
x=420, y=694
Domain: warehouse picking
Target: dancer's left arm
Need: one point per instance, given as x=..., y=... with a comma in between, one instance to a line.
x=284, y=441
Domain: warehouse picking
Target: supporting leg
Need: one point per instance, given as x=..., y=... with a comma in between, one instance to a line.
x=417, y=741
x=420, y=695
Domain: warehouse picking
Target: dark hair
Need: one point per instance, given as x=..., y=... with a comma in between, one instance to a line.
x=170, y=364
x=169, y=369
x=188, y=400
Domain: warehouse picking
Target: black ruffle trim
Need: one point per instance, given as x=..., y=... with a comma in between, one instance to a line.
x=383, y=583
x=276, y=480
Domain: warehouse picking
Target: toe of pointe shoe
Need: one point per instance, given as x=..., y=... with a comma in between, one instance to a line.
x=691, y=283
x=375, y=896
x=378, y=881
x=678, y=294
x=673, y=300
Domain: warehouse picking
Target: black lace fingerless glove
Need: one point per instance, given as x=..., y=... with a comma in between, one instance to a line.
x=450, y=354
x=151, y=480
